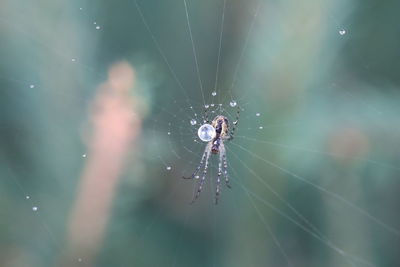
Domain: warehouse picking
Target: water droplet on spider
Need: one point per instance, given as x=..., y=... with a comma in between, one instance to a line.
x=31, y=86
x=98, y=27
x=168, y=168
x=206, y=132
x=27, y=197
x=258, y=114
x=206, y=105
x=342, y=32
x=233, y=103
x=214, y=93
x=193, y=122
x=34, y=208
x=260, y=127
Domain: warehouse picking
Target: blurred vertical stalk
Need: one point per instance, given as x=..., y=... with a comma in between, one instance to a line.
x=115, y=125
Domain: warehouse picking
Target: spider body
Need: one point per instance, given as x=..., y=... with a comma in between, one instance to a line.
x=215, y=146
x=221, y=125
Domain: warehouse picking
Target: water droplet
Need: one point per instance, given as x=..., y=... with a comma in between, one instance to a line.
x=80, y=8
x=193, y=122
x=73, y=59
x=80, y=260
x=206, y=105
x=34, y=208
x=84, y=156
x=169, y=168
x=233, y=103
x=214, y=93
x=169, y=133
x=27, y=197
x=94, y=22
x=212, y=105
x=258, y=114
x=197, y=177
x=98, y=27
x=260, y=127
x=342, y=32
x=235, y=122
x=206, y=132
x=32, y=86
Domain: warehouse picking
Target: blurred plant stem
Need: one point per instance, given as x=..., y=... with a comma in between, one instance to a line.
x=115, y=127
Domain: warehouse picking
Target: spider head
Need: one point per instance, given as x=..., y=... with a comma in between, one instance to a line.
x=221, y=125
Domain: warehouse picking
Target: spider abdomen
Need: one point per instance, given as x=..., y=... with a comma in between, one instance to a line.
x=215, y=146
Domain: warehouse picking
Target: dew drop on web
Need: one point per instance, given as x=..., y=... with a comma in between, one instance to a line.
x=206, y=132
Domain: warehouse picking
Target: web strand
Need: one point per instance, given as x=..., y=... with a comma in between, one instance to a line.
x=194, y=51
x=219, y=48
x=322, y=189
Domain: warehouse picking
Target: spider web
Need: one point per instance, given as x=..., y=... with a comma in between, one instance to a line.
x=311, y=165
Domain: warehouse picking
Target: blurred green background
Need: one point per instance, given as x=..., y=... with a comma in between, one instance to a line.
x=315, y=176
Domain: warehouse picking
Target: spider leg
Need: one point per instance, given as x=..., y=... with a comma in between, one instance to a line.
x=235, y=122
x=203, y=178
x=225, y=163
x=198, y=167
x=218, y=179
x=205, y=116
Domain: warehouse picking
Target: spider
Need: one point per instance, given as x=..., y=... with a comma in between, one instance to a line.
x=215, y=133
